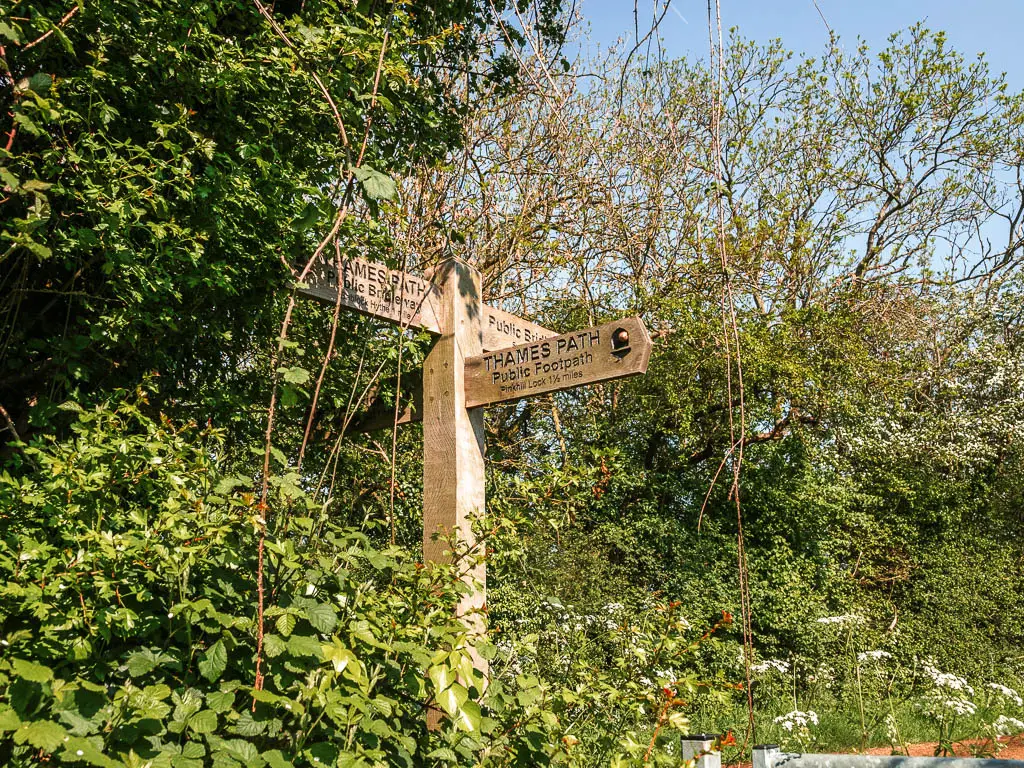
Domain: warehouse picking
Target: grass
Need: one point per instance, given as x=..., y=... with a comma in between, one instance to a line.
x=839, y=728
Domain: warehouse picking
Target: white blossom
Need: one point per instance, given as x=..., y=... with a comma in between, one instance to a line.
x=961, y=706
x=848, y=619
x=1008, y=726
x=768, y=665
x=1007, y=693
x=797, y=719
x=948, y=681
x=873, y=655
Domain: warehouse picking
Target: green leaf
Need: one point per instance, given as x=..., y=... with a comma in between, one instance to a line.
x=286, y=623
x=29, y=670
x=467, y=717
x=220, y=701
x=304, y=645
x=11, y=182
x=34, y=185
x=322, y=617
x=42, y=734
x=294, y=375
x=273, y=645
x=145, y=661
x=40, y=82
x=193, y=749
x=442, y=677
x=244, y=751
x=308, y=218
x=9, y=33
x=227, y=484
x=9, y=720
x=443, y=753
x=452, y=697
x=215, y=661
x=246, y=725
x=276, y=759
x=204, y=721
x=82, y=750
x=377, y=185
x=486, y=650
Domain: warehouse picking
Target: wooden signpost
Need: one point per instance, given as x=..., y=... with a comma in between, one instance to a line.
x=483, y=355
x=407, y=300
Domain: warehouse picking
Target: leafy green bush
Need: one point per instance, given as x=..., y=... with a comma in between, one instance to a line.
x=130, y=630
x=129, y=625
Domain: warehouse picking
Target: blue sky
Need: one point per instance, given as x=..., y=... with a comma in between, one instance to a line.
x=995, y=27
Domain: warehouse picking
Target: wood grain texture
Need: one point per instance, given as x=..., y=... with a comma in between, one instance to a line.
x=610, y=351
x=403, y=298
x=375, y=290
x=503, y=329
x=453, y=435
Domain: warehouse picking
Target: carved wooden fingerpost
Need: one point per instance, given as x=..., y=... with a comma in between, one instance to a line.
x=453, y=435
x=523, y=359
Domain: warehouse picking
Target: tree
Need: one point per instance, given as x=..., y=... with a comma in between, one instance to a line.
x=873, y=239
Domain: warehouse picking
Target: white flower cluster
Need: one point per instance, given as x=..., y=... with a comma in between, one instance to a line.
x=1008, y=726
x=940, y=706
x=948, y=681
x=892, y=729
x=1007, y=693
x=873, y=655
x=778, y=665
x=797, y=720
x=848, y=619
x=961, y=706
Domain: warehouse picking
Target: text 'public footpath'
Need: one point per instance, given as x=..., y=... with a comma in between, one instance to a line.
x=544, y=363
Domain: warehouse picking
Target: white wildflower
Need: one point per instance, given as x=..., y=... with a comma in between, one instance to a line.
x=892, y=729
x=961, y=706
x=1007, y=693
x=947, y=680
x=939, y=705
x=797, y=719
x=873, y=655
x=777, y=665
x=848, y=619
x=1008, y=726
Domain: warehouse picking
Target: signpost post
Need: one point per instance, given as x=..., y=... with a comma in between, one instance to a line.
x=483, y=355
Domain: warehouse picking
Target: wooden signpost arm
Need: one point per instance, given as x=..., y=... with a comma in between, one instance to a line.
x=522, y=359
x=453, y=436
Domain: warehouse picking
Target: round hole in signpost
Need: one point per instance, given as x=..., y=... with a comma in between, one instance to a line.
x=620, y=342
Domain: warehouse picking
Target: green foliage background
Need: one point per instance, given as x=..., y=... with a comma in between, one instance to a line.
x=166, y=165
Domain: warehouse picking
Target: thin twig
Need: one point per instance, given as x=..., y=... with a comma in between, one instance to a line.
x=10, y=424
x=64, y=20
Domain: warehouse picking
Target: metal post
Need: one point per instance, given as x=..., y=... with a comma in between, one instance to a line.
x=699, y=745
x=764, y=755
